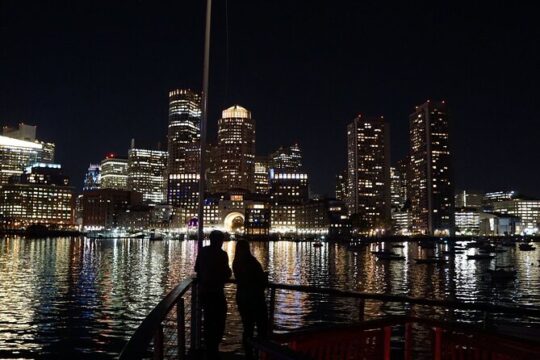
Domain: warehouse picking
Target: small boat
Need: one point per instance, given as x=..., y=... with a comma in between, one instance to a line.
x=398, y=246
x=508, y=243
x=317, y=244
x=526, y=247
x=427, y=244
x=480, y=257
x=431, y=260
x=453, y=252
x=499, y=250
x=155, y=237
x=389, y=256
x=502, y=275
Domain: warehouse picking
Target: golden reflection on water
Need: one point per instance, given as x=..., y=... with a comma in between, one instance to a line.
x=83, y=298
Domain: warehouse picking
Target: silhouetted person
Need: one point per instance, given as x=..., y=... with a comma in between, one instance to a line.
x=212, y=267
x=251, y=284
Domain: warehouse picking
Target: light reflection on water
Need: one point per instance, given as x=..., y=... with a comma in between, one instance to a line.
x=83, y=298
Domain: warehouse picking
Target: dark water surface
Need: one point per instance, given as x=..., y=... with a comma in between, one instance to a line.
x=81, y=298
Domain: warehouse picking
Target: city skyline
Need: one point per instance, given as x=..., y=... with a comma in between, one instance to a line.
x=86, y=89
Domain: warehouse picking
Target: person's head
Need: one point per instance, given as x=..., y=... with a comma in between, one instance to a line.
x=242, y=250
x=216, y=238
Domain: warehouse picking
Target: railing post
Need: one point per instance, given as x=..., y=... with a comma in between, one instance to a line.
x=196, y=319
x=361, y=309
x=437, y=343
x=181, y=328
x=387, y=345
x=158, y=343
x=408, y=340
x=271, y=311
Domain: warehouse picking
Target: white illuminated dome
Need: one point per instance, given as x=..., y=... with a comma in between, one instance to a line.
x=236, y=111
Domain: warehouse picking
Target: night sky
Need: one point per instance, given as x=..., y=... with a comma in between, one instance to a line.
x=94, y=74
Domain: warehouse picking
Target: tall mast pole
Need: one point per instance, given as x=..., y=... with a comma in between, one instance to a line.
x=202, y=177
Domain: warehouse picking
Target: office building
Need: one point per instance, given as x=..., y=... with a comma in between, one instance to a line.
x=288, y=188
x=235, y=150
x=103, y=208
x=146, y=174
x=184, y=149
x=468, y=199
x=369, y=174
x=114, y=173
x=262, y=175
x=287, y=159
x=92, y=178
x=324, y=217
x=527, y=210
x=467, y=221
x=19, y=149
x=41, y=196
x=431, y=188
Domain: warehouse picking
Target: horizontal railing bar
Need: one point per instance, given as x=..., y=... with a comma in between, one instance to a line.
x=138, y=343
x=492, y=308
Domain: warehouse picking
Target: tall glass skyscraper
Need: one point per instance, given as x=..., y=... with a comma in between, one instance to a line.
x=146, y=174
x=184, y=149
x=430, y=187
x=368, y=195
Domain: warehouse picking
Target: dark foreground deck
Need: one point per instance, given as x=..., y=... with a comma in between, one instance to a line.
x=173, y=330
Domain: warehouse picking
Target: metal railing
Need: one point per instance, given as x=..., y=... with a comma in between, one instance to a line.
x=173, y=328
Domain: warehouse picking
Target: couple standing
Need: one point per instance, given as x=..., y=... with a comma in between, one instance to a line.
x=212, y=267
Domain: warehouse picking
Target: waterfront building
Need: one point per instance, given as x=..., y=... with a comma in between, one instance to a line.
x=324, y=217
x=184, y=149
x=468, y=199
x=369, y=173
x=102, y=208
x=467, y=221
x=496, y=224
x=19, y=149
x=527, y=210
x=92, y=179
x=114, y=173
x=257, y=220
x=235, y=150
x=341, y=186
x=261, y=175
x=431, y=183
x=283, y=218
x=41, y=196
x=146, y=174
x=402, y=222
x=142, y=217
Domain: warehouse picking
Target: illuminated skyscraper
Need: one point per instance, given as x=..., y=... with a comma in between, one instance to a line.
x=287, y=159
x=92, y=179
x=114, y=173
x=262, y=180
x=235, y=150
x=369, y=173
x=430, y=182
x=183, y=148
x=19, y=149
x=146, y=174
